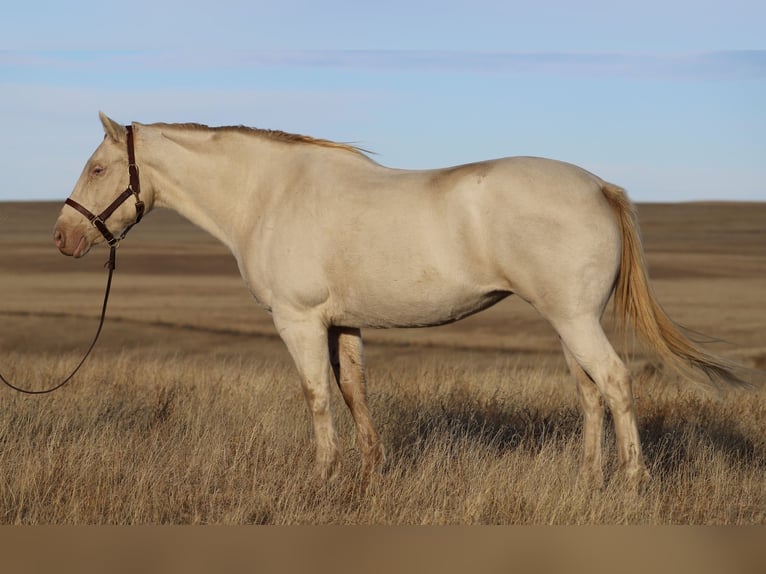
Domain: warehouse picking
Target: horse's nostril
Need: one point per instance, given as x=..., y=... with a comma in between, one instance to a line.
x=58, y=238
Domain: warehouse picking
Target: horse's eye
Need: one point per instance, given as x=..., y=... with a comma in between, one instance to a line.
x=97, y=170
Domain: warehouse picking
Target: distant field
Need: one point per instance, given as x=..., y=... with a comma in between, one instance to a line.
x=190, y=410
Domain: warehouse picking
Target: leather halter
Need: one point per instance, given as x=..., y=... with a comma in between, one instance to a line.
x=99, y=222
x=134, y=188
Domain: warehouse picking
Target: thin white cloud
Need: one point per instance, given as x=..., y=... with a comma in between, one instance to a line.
x=718, y=65
x=702, y=65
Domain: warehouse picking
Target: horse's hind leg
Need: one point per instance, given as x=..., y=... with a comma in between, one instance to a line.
x=585, y=340
x=593, y=421
x=347, y=359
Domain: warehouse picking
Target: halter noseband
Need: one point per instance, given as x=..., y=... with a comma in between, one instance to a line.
x=134, y=188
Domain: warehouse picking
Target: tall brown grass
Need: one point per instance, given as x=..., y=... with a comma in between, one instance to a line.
x=160, y=438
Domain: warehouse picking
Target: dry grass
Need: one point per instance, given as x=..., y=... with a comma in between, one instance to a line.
x=168, y=439
x=205, y=423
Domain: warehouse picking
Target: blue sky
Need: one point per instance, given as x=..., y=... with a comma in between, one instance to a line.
x=665, y=98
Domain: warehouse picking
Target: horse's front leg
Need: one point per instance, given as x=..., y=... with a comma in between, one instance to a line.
x=306, y=339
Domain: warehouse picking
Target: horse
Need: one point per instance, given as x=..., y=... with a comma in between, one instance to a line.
x=330, y=242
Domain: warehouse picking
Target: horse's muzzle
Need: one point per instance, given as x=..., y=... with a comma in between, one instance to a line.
x=71, y=242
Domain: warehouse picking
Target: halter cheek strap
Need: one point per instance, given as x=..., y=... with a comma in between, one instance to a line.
x=134, y=188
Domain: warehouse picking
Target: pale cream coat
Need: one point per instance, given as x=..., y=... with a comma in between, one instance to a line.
x=330, y=242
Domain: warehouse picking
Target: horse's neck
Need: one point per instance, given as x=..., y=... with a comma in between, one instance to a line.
x=203, y=182
x=228, y=182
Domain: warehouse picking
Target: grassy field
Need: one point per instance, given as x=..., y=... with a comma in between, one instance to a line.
x=190, y=410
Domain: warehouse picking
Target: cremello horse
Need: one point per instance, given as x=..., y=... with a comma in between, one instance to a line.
x=330, y=242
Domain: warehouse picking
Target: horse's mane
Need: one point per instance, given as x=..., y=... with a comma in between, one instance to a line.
x=277, y=135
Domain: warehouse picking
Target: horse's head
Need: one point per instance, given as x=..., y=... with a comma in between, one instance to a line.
x=101, y=206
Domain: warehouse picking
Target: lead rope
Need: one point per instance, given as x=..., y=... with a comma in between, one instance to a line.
x=110, y=265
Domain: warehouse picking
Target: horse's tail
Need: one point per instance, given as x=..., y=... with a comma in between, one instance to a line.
x=635, y=302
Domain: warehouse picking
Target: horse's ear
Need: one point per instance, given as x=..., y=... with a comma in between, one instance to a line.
x=112, y=129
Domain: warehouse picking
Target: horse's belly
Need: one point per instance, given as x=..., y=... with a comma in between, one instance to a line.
x=408, y=308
